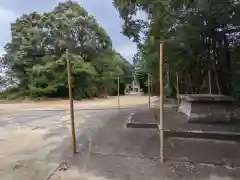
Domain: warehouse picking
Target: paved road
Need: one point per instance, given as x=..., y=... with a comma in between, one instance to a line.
x=34, y=143
x=119, y=153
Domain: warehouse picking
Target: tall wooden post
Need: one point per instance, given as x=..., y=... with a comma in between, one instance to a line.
x=151, y=85
x=209, y=82
x=177, y=88
x=71, y=104
x=118, y=92
x=149, y=100
x=161, y=84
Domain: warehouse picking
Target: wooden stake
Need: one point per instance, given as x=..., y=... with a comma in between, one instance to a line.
x=177, y=88
x=161, y=126
x=151, y=86
x=216, y=77
x=149, y=100
x=118, y=92
x=209, y=82
x=71, y=104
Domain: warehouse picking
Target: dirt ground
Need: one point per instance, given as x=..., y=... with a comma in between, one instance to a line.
x=97, y=103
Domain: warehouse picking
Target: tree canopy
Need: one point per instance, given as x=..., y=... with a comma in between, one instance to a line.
x=201, y=37
x=36, y=60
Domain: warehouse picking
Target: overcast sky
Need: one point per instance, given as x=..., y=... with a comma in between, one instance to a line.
x=102, y=10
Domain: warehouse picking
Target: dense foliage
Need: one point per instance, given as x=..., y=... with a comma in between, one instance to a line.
x=201, y=37
x=35, y=59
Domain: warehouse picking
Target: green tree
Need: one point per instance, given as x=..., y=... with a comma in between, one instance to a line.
x=199, y=35
x=36, y=54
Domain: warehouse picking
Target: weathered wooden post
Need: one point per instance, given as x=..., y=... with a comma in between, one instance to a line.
x=118, y=92
x=177, y=88
x=149, y=100
x=209, y=82
x=161, y=84
x=71, y=104
x=151, y=85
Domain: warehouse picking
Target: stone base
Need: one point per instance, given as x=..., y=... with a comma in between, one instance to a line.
x=136, y=93
x=206, y=110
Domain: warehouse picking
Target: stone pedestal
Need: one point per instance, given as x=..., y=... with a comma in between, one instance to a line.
x=207, y=108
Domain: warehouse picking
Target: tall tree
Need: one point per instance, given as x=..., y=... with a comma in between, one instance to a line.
x=199, y=35
x=36, y=54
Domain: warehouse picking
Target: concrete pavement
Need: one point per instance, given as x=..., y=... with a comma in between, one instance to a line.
x=35, y=136
x=34, y=143
x=116, y=152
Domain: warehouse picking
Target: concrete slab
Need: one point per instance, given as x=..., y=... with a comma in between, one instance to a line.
x=176, y=124
x=178, y=121
x=116, y=152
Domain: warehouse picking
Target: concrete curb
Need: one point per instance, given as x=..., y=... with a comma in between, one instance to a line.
x=142, y=125
x=203, y=135
x=188, y=134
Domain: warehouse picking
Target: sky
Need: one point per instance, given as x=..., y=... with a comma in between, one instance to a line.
x=102, y=10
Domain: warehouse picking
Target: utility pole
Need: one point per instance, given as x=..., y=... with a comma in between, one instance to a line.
x=161, y=127
x=71, y=104
x=118, y=92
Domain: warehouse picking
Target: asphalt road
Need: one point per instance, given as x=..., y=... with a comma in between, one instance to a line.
x=119, y=153
x=36, y=145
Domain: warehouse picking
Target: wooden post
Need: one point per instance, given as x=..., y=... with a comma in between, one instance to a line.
x=161, y=126
x=177, y=88
x=71, y=104
x=118, y=92
x=209, y=82
x=216, y=77
x=151, y=84
x=149, y=100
